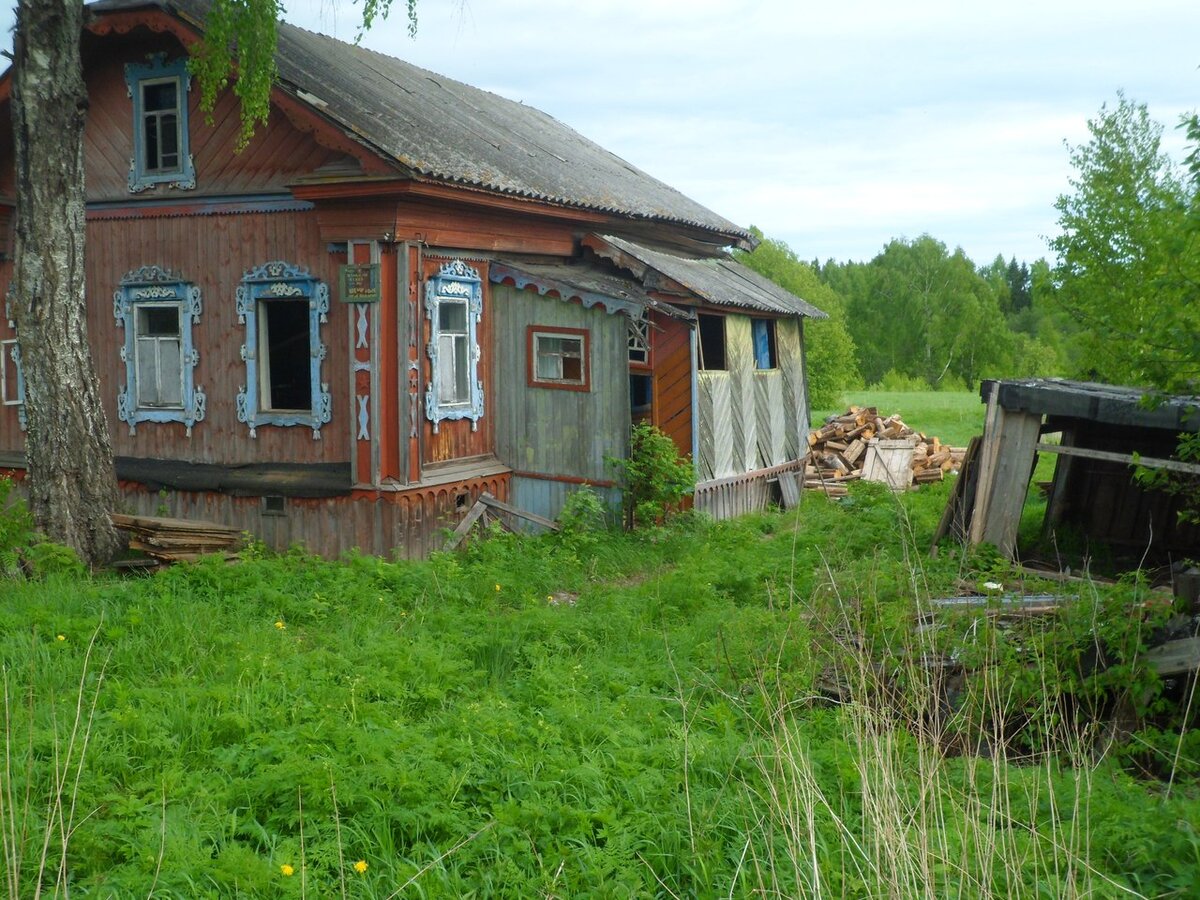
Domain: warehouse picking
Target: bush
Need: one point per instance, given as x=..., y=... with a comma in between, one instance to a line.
x=655, y=477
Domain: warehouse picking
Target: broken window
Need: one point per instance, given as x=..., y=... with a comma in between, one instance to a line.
x=765, y=353
x=283, y=308
x=712, y=342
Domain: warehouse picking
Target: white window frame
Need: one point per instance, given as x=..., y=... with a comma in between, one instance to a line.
x=12, y=394
x=456, y=282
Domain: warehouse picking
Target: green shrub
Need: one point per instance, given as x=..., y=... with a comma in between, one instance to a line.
x=655, y=478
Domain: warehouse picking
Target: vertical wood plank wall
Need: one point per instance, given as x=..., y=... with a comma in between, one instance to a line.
x=555, y=432
x=750, y=419
x=671, y=357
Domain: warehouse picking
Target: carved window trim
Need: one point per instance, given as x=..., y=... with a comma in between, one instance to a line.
x=152, y=286
x=280, y=280
x=138, y=76
x=455, y=283
x=12, y=394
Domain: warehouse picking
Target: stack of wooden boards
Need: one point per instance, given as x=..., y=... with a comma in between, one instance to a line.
x=840, y=450
x=177, y=540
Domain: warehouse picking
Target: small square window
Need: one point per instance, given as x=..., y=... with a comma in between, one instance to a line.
x=558, y=357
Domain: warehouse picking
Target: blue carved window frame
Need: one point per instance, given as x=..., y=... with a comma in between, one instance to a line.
x=139, y=76
x=456, y=283
x=272, y=281
x=10, y=349
x=155, y=287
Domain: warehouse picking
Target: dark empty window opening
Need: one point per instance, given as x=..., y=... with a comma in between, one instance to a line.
x=765, y=353
x=461, y=501
x=641, y=395
x=285, y=355
x=274, y=506
x=712, y=342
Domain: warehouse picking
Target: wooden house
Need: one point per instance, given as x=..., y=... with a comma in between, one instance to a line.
x=404, y=292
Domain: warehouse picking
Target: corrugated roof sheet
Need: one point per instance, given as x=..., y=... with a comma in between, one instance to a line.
x=721, y=281
x=443, y=129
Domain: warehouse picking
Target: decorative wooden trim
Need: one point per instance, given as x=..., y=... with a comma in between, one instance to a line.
x=455, y=282
x=157, y=69
x=531, y=331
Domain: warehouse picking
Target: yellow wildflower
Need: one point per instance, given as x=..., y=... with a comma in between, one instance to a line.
x=287, y=870
x=279, y=624
x=497, y=589
x=360, y=866
x=61, y=637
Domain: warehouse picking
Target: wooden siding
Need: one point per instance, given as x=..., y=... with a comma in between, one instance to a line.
x=671, y=358
x=278, y=153
x=750, y=419
x=409, y=525
x=789, y=343
x=212, y=252
x=555, y=432
x=546, y=498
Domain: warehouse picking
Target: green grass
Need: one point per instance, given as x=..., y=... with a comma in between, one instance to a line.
x=589, y=716
x=953, y=416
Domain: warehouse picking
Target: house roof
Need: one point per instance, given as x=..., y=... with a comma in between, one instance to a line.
x=441, y=129
x=720, y=281
x=588, y=285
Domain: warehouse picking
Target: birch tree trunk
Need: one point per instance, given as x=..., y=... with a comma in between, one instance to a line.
x=72, y=481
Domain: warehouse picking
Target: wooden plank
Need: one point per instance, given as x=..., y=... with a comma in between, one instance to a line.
x=987, y=463
x=476, y=512
x=1175, y=657
x=1014, y=456
x=520, y=513
x=789, y=490
x=1149, y=462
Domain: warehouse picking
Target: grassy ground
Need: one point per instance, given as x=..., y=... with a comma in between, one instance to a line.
x=595, y=715
x=955, y=417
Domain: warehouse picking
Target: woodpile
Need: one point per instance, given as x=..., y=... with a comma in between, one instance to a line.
x=177, y=540
x=862, y=444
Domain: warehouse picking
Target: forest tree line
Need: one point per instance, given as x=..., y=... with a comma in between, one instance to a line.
x=1117, y=300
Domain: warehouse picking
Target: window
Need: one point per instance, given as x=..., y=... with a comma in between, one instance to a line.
x=157, y=309
x=763, y=333
x=160, y=124
x=558, y=357
x=12, y=380
x=639, y=340
x=283, y=308
x=712, y=342
x=453, y=306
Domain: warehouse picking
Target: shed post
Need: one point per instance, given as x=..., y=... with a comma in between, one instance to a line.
x=1008, y=454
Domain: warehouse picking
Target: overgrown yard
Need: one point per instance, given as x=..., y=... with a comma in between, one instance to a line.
x=592, y=714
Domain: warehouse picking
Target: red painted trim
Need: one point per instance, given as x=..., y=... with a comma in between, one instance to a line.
x=565, y=479
x=585, y=362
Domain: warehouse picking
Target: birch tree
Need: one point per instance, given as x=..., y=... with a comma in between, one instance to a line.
x=70, y=467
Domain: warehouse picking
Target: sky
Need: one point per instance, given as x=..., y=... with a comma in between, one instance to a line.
x=834, y=127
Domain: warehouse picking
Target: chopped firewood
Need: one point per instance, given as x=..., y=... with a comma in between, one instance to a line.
x=838, y=448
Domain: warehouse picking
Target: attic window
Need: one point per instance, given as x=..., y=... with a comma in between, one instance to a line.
x=159, y=91
x=712, y=342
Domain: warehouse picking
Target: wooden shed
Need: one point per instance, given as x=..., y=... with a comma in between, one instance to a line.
x=1102, y=432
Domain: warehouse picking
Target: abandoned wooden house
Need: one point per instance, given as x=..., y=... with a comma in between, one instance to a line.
x=403, y=293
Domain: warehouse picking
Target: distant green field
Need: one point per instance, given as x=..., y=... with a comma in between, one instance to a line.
x=954, y=417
